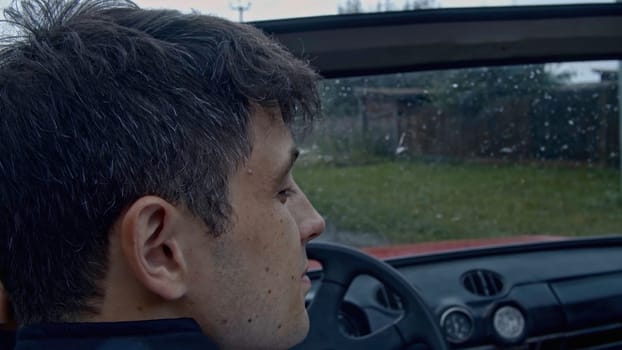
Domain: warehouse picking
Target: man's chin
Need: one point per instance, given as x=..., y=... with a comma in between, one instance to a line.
x=299, y=335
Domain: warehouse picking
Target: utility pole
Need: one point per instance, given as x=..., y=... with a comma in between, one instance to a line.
x=620, y=117
x=241, y=9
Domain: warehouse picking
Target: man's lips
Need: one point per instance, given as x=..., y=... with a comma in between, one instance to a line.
x=304, y=278
x=306, y=282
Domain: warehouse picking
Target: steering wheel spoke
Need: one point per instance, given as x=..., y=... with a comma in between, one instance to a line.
x=340, y=265
x=326, y=303
x=386, y=338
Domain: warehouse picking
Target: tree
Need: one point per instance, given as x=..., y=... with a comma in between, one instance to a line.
x=410, y=5
x=355, y=6
x=350, y=6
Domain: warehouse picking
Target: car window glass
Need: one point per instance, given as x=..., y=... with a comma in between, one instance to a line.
x=475, y=153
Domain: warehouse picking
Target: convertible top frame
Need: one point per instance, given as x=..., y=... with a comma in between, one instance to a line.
x=361, y=44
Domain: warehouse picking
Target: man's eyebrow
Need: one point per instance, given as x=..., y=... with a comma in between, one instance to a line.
x=294, y=152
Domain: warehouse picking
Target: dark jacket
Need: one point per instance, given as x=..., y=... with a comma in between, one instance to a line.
x=183, y=333
x=7, y=340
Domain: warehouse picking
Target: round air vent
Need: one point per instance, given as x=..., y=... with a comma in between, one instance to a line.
x=481, y=282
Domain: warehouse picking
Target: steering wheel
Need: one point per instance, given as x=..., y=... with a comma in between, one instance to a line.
x=340, y=265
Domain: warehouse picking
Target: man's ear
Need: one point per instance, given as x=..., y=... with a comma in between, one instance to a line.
x=149, y=234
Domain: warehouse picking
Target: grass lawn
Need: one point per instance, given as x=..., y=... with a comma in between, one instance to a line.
x=415, y=201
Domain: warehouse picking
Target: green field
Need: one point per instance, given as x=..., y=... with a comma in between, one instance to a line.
x=415, y=201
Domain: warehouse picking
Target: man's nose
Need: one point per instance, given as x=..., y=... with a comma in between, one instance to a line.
x=311, y=223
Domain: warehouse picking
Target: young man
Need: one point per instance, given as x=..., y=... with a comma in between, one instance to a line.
x=147, y=199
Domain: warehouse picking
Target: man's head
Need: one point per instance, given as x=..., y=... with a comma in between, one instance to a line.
x=145, y=171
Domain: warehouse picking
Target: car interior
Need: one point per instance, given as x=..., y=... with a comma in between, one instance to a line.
x=468, y=166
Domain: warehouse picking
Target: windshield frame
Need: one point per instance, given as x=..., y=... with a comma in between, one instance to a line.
x=452, y=38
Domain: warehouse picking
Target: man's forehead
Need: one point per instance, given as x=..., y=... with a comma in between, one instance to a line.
x=271, y=141
x=268, y=122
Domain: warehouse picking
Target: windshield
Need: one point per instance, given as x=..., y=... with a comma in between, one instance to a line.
x=476, y=153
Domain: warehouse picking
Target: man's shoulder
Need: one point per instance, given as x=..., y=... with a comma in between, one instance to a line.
x=7, y=339
x=135, y=335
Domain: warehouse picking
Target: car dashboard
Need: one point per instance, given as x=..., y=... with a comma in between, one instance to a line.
x=554, y=295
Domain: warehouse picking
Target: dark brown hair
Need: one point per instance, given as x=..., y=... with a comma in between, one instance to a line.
x=102, y=102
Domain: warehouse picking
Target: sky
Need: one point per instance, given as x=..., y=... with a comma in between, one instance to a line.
x=272, y=9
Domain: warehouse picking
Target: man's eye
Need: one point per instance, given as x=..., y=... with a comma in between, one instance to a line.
x=283, y=195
